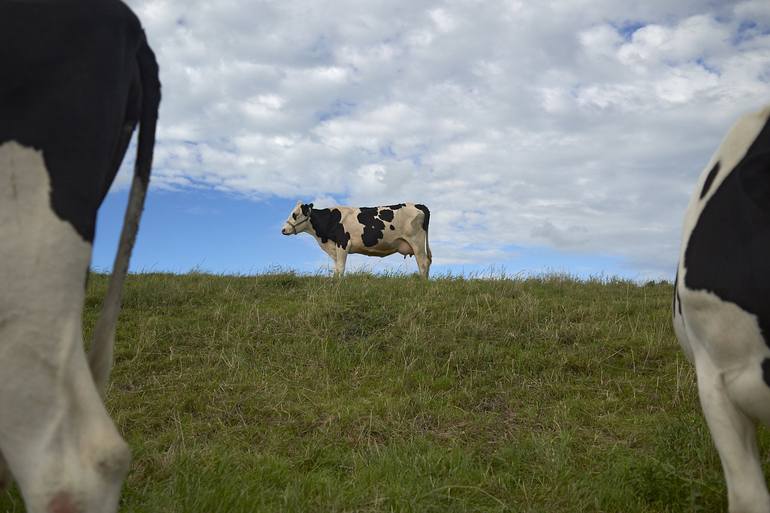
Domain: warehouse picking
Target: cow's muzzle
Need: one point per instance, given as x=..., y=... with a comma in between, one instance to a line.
x=294, y=226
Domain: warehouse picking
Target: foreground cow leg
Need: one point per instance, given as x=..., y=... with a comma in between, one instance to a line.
x=55, y=434
x=734, y=435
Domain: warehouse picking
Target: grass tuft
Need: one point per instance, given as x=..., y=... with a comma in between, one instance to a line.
x=288, y=393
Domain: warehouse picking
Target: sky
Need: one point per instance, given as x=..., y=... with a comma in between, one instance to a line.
x=544, y=136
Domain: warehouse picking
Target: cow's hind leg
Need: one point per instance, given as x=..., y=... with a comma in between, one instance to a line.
x=417, y=244
x=734, y=435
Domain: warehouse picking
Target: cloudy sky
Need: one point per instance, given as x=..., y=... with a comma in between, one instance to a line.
x=548, y=135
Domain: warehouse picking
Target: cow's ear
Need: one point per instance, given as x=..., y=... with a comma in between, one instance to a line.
x=310, y=206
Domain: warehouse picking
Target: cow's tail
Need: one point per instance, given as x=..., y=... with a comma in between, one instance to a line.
x=425, y=223
x=101, y=353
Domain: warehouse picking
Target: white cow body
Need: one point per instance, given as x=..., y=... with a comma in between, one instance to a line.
x=371, y=231
x=721, y=303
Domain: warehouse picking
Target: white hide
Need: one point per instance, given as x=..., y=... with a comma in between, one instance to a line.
x=55, y=433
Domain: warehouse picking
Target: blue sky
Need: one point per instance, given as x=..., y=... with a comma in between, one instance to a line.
x=219, y=233
x=545, y=136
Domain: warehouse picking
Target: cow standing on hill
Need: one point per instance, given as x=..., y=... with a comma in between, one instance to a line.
x=372, y=231
x=721, y=306
x=77, y=77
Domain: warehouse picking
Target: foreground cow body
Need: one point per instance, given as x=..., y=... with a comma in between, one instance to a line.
x=372, y=231
x=78, y=76
x=721, y=306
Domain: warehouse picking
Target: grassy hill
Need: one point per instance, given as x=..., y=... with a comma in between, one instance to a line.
x=282, y=393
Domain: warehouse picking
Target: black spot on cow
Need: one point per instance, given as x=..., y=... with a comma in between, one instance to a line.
x=306, y=209
x=728, y=252
x=392, y=227
x=396, y=206
x=756, y=180
x=425, y=219
x=81, y=122
x=766, y=371
x=386, y=215
x=709, y=180
x=326, y=223
x=372, y=226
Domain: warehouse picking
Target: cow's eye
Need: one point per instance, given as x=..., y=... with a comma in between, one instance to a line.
x=294, y=216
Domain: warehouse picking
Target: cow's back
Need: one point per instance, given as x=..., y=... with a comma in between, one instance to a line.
x=383, y=230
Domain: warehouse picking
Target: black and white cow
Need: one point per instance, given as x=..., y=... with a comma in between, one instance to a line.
x=721, y=306
x=77, y=76
x=372, y=231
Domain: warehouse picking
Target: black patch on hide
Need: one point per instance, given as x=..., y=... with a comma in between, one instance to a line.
x=373, y=226
x=728, y=252
x=326, y=224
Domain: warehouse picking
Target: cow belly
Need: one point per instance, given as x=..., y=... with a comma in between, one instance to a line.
x=375, y=252
x=384, y=249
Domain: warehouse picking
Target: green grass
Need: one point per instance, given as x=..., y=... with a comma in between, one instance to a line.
x=285, y=393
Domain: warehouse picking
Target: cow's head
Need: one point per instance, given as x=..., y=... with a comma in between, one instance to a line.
x=299, y=219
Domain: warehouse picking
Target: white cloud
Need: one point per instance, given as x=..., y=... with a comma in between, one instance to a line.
x=579, y=125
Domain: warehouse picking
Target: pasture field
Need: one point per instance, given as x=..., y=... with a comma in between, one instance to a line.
x=285, y=393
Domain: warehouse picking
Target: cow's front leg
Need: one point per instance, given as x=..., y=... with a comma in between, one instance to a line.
x=339, y=261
